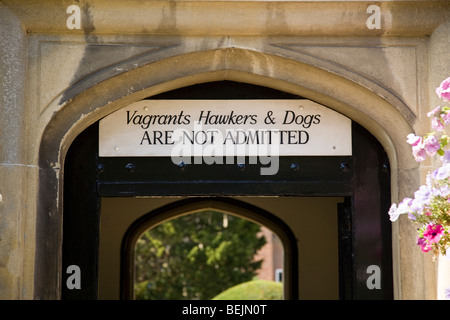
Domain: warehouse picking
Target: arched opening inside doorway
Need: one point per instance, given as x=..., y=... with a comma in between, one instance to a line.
x=246, y=215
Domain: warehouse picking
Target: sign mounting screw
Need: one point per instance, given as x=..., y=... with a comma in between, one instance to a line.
x=345, y=167
x=130, y=167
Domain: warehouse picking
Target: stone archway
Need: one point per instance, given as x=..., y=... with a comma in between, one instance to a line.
x=368, y=106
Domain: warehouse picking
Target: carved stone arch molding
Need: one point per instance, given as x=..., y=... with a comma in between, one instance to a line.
x=387, y=121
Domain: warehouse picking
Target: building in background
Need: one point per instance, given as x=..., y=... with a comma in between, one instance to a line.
x=272, y=255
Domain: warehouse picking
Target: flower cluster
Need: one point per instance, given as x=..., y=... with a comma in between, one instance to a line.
x=430, y=207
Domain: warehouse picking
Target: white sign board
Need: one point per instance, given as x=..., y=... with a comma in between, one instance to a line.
x=225, y=128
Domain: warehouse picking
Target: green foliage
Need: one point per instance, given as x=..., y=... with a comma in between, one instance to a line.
x=253, y=290
x=196, y=256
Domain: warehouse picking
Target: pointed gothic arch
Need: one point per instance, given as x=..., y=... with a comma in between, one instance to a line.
x=85, y=107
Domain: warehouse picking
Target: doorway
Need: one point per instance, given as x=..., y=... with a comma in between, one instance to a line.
x=306, y=226
x=349, y=195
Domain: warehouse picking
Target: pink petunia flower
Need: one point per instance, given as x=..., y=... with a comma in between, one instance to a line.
x=433, y=233
x=419, y=153
x=424, y=245
x=413, y=140
x=446, y=117
x=438, y=124
x=431, y=145
x=443, y=91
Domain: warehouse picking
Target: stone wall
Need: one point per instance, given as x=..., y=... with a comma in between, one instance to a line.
x=56, y=80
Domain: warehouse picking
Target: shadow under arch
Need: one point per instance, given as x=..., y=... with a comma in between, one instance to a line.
x=224, y=205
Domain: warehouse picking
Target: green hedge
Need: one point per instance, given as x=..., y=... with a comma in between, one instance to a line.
x=253, y=290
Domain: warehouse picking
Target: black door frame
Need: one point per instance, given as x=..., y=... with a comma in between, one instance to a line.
x=363, y=178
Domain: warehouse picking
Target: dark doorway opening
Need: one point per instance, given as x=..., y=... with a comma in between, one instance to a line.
x=363, y=179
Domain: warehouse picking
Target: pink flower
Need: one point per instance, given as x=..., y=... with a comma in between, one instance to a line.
x=431, y=145
x=446, y=117
x=419, y=154
x=424, y=245
x=437, y=124
x=413, y=139
x=418, y=147
x=439, y=120
x=443, y=91
x=433, y=233
x=434, y=112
